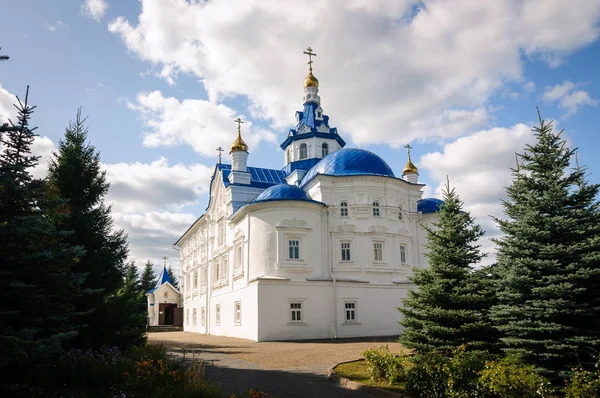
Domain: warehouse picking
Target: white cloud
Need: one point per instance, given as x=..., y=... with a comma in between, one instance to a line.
x=387, y=68
x=201, y=124
x=569, y=98
x=479, y=167
x=56, y=25
x=95, y=8
x=529, y=87
x=7, y=109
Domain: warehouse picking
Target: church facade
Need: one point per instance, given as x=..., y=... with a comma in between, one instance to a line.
x=321, y=248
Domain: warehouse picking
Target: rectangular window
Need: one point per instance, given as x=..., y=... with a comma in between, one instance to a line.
x=224, y=269
x=402, y=254
x=196, y=279
x=294, y=249
x=237, y=312
x=345, y=251
x=217, y=269
x=204, y=276
x=350, y=311
x=194, y=317
x=238, y=257
x=218, y=314
x=377, y=251
x=202, y=315
x=187, y=316
x=296, y=312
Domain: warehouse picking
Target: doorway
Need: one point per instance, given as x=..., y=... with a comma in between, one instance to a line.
x=166, y=313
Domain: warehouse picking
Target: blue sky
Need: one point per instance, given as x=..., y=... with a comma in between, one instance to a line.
x=162, y=81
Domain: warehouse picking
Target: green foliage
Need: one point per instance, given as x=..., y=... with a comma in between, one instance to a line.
x=76, y=173
x=36, y=282
x=383, y=365
x=109, y=372
x=512, y=378
x=148, y=279
x=549, y=260
x=450, y=307
x=174, y=279
x=456, y=376
x=583, y=384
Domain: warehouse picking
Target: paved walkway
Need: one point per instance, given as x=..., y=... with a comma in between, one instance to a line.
x=282, y=369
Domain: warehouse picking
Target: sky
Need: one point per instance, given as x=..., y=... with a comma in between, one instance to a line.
x=162, y=81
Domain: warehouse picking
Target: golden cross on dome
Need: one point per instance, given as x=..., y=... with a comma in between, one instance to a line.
x=310, y=55
x=239, y=122
x=408, y=148
x=219, y=149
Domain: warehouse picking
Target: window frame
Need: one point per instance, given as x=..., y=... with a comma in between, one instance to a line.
x=350, y=307
x=296, y=249
x=237, y=312
x=376, y=250
x=294, y=311
x=346, y=252
x=202, y=316
x=218, y=314
x=403, y=253
x=344, y=208
x=400, y=213
x=376, y=209
x=324, y=149
x=194, y=316
x=221, y=232
x=304, y=147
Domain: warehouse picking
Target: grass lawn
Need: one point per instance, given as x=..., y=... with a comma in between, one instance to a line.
x=356, y=371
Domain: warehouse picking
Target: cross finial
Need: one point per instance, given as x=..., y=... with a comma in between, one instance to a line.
x=310, y=55
x=408, y=148
x=165, y=261
x=239, y=122
x=219, y=149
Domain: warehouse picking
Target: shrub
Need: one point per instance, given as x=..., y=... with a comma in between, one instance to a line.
x=428, y=377
x=383, y=365
x=511, y=378
x=583, y=384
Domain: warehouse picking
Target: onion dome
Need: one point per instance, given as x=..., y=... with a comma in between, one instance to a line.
x=239, y=144
x=429, y=205
x=410, y=168
x=282, y=192
x=349, y=162
x=311, y=80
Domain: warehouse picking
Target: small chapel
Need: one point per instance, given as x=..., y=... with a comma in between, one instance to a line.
x=164, y=302
x=321, y=248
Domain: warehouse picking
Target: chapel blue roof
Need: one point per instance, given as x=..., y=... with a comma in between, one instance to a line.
x=162, y=279
x=429, y=205
x=308, y=118
x=282, y=192
x=259, y=177
x=348, y=162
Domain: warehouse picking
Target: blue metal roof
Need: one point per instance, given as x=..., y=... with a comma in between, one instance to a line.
x=304, y=164
x=259, y=177
x=429, y=205
x=282, y=192
x=162, y=279
x=347, y=162
x=308, y=118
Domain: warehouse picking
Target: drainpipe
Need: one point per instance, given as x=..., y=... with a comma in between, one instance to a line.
x=331, y=275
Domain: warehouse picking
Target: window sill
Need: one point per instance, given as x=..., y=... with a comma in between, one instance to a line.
x=237, y=275
x=351, y=323
x=297, y=324
x=237, y=324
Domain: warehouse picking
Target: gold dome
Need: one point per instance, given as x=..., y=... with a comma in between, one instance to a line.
x=239, y=144
x=311, y=80
x=410, y=167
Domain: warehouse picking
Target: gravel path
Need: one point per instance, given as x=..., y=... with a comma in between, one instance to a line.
x=283, y=369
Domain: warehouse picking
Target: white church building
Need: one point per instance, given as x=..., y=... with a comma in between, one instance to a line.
x=320, y=248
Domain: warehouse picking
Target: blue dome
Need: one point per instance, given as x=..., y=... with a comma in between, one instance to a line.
x=282, y=192
x=429, y=205
x=349, y=162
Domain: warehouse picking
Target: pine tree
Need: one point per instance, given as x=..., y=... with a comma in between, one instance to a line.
x=148, y=280
x=549, y=260
x=36, y=282
x=174, y=279
x=75, y=171
x=450, y=307
x=3, y=57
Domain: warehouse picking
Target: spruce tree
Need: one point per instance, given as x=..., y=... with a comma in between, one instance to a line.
x=174, y=279
x=148, y=280
x=450, y=306
x=76, y=172
x=549, y=260
x=36, y=282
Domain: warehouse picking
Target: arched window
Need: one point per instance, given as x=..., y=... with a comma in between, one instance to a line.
x=400, y=213
x=376, y=212
x=343, y=208
x=303, y=151
x=287, y=155
x=324, y=150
